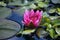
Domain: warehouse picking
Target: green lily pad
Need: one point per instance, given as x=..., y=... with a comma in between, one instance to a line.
x=2, y=4
x=57, y=28
x=55, y=1
x=33, y=6
x=27, y=32
x=45, y=20
x=39, y=0
x=52, y=10
x=40, y=32
x=42, y=4
x=55, y=21
x=4, y=12
x=58, y=11
x=52, y=33
x=45, y=14
x=8, y=28
x=57, y=31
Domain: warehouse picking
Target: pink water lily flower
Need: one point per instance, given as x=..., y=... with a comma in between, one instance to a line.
x=31, y=17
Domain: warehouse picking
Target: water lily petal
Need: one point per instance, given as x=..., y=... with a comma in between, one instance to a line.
x=26, y=14
x=32, y=17
x=39, y=14
x=26, y=17
x=31, y=13
x=36, y=23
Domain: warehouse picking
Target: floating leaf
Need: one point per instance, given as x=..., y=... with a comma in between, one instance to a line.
x=52, y=10
x=40, y=32
x=58, y=11
x=38, y=1
x=47, y=0
x=57, y=28
x=8, y=28
x=56, y=1
x=45, y=20
x=16, y=2
x=29, y=31
x=45, y=14
x=58, y=31
x=2, y=4
x=4, y=12
x=42, y=4
x=52, y=33
x=33, y=6
x=53, y=18
x=56, y=21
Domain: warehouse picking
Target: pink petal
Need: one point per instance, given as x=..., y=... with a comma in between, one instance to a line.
x=26, y=14
x=26, y=17
x=36, y=23
x=34, y=19
x=27, y=20
x=31, y=13
x=30, y=16
x=39, y=14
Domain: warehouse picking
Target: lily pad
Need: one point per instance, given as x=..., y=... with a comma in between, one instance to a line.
x=58, y=11
x=42, y=4
x=4, y=12
x=40, y=32
x=52, y=33
x=56, y=1
x=55, y=21
x=8, y=28
x=57, y=28
x=52, y=10
x=29, y=31
x=2, y=4
x=39, y=0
